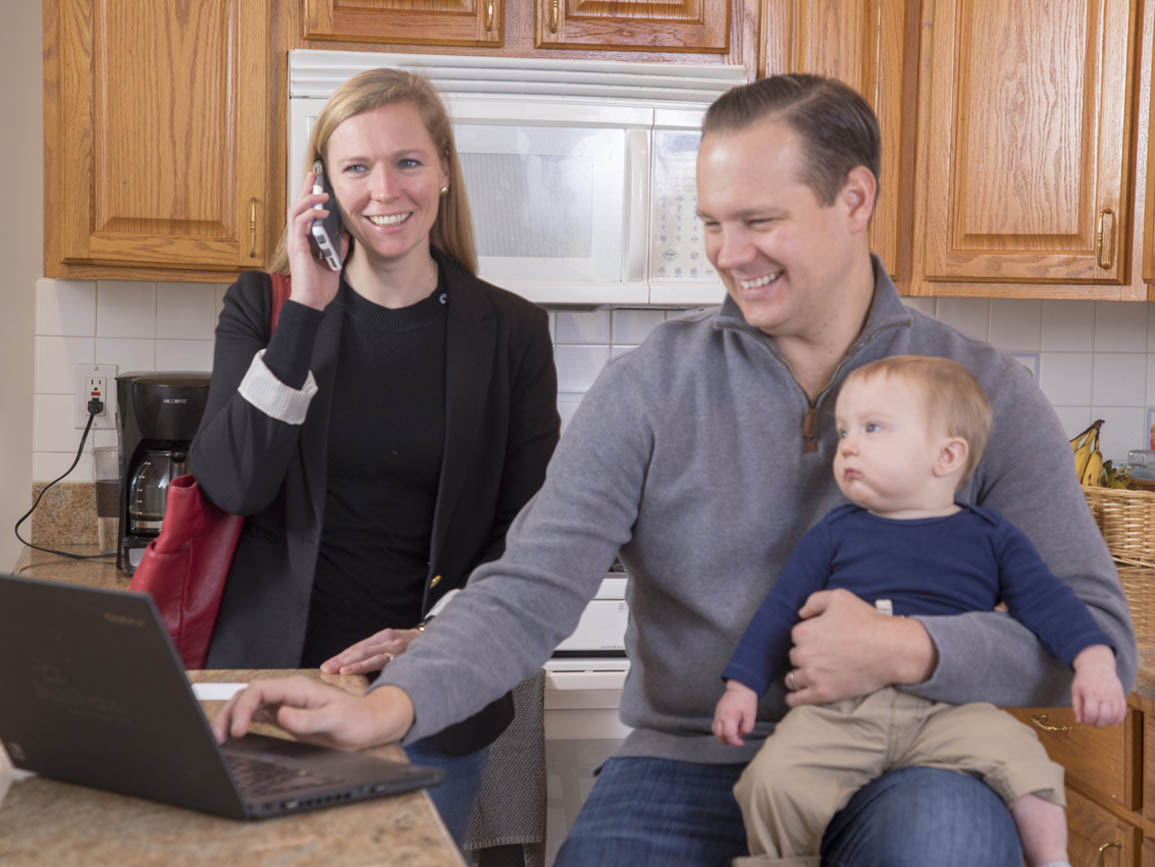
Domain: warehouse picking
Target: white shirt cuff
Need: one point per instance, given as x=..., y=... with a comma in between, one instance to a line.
x=262, y=389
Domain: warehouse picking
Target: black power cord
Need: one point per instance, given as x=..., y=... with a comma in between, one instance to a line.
x=95, y=407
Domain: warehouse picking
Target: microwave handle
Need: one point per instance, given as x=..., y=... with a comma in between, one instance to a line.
x=638, y=173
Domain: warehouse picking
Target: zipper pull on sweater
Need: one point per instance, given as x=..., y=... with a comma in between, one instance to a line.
x=809, y=437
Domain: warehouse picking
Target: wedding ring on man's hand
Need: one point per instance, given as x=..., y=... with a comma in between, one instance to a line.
x=389, y=657
x=790, y=685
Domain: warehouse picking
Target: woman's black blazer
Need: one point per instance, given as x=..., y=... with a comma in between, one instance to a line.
x=501, y=428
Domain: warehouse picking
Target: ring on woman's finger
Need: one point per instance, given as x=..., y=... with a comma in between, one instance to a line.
x=389, y=657
x=790, y=684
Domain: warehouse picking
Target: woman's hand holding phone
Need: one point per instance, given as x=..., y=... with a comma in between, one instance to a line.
x=314, y=282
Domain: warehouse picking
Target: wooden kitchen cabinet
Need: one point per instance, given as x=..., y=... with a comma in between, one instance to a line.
x=1109, y=773
x=872, y=45
x=478, y=23
x=638, y=25
x=1026, y=142
x=156, y=140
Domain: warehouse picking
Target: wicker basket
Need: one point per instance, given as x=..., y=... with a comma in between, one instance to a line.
x=1127, y=521
x=1139, y=585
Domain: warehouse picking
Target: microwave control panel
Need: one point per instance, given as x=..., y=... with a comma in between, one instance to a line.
x=677, y=248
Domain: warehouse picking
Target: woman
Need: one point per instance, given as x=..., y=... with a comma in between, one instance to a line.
x=382, y=439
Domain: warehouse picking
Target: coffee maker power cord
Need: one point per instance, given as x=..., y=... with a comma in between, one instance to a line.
x=94, y=407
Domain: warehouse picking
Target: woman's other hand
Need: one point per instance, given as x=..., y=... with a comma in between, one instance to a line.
x=372, y=653
x=318, y=713
x=315, y=284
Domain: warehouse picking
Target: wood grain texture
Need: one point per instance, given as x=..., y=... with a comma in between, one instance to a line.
x=160, y=151
x=1104, y=759
x=872, y=45
x=1090, y=827
x=1026, y=140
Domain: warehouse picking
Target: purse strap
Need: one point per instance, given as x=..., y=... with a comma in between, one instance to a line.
x=281, y=288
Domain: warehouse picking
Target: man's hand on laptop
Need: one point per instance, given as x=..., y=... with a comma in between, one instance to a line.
x=318, y=713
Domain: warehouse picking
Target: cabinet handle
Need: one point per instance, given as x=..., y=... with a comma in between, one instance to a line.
x=1099, y=237
x=1039, y=720
x=253, y=227
x=489, y=15
x=553, y=17
x=1114, y=844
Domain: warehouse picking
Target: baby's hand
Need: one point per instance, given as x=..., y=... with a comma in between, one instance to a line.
x=735, y=712
x=1096, y=692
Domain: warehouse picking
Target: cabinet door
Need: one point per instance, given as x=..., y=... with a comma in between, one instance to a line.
x=156, y=147
x=641, y=25
x=1096, y=837
x=1025, y=140
x=406, y=22
x=872, y=45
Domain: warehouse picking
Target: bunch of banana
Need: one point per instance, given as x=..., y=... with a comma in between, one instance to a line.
x=1088, y=458
x=1115, y=477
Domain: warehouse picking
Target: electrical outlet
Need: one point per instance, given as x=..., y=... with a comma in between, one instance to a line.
x=96, y=380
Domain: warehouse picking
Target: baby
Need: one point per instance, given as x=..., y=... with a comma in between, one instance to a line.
x=911, y=431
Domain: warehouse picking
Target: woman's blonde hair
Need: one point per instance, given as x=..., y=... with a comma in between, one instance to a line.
x=954, y=400
x=452, y=231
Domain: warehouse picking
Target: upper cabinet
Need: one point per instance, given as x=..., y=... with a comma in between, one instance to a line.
x=639, y=25
x=872, y=45
x=156, y=139
x=406, y=22
x=1026, y=142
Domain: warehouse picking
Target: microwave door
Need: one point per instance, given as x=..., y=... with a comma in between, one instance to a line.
x=554, y=209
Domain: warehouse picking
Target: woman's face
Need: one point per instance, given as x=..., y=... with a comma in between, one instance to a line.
x=387, y=177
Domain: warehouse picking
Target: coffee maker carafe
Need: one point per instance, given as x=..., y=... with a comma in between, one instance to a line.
x=159, y=413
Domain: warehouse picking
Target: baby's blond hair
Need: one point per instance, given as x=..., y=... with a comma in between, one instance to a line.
x=953, y=398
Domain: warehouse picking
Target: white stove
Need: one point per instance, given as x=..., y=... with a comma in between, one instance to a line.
x=583, y=690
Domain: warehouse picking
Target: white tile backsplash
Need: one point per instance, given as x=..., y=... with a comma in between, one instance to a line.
x=631, y=327
x=65, y=308
x=127, y=355
x=1068, y=326
x=1095, y=359
x=1016, y=325
x=583, y=326
x=56, y=359
x=186, y=311
x=971, y=316
x=578, y=366
x=184, y=355
x=1066, y=377
x=1118, y=328
x=1120, y=378
x=125, y=308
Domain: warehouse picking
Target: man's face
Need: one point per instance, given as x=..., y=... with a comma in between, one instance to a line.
x=784, y=257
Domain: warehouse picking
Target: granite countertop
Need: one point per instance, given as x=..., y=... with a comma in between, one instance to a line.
x=48, y=822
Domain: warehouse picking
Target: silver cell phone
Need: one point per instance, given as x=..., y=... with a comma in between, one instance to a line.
x=326, y=231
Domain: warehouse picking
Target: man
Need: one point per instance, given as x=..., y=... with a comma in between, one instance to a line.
x=704, y=455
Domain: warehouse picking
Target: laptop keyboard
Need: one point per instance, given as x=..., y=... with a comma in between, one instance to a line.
x=258, y=777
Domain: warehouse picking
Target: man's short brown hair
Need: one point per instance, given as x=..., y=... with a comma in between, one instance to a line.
x=837, y=126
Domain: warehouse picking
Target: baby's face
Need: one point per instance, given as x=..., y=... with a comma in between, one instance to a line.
x=886, y=450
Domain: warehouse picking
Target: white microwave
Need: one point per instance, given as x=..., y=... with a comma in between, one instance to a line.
x=580, y=173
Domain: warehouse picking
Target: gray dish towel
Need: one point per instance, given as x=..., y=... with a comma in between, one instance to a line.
x=508, y=825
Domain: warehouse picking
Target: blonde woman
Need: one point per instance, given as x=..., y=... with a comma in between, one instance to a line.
x=381, y=440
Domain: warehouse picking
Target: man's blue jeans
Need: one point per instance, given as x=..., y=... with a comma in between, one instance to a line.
x=457, y=796
x=646, y=812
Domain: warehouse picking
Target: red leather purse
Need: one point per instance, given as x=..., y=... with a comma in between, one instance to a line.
x=186, y=566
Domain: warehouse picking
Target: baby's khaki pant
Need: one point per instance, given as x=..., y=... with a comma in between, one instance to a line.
x=819, y=755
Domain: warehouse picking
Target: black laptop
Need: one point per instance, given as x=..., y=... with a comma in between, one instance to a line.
x=92, y=691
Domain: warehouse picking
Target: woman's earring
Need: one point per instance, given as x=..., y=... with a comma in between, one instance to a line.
x=444, y=191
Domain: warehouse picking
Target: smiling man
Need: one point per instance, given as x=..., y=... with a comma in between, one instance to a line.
x=704, y=455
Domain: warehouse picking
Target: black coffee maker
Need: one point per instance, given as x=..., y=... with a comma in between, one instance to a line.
x=158, y=415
